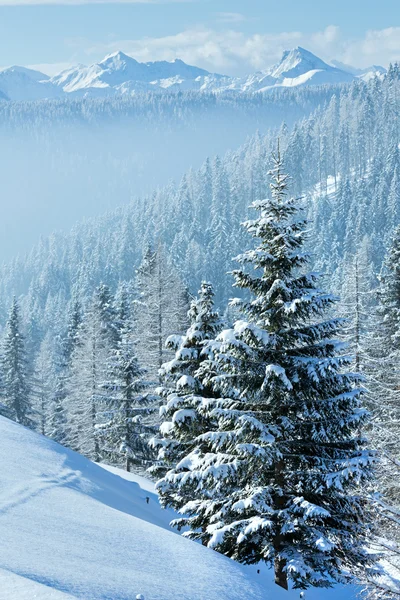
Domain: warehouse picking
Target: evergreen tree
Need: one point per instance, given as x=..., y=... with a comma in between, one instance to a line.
x=278, y=480
x=97, y=336
x=125, y=430
x=57, y=423
x=183, y=388
x=44, y=381
x=74, y=321
x=161, y=309
x=16, y=388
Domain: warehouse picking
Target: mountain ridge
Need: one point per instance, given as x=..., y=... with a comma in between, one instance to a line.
x=120, y=74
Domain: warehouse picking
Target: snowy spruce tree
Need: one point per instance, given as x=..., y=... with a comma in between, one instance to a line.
x=124, y=430
x=183, y=389
x=16, y=384
x=161, y=309
x=278, y=480
x=97, y=335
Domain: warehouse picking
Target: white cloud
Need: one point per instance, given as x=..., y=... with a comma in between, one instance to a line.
x=233, y=52
x=378, y=46
x=227, y=51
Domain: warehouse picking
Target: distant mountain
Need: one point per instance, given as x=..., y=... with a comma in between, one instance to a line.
x=120, y=74
x=20, y=83
x=296, y=68
x=365, y=74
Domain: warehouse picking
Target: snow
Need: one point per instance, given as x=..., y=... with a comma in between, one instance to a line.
x=120, y=74
x=73, y=529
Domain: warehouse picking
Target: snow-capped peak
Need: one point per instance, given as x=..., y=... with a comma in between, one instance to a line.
x=117, y=60
x=25, y=72
x=296, y=62
x=121, y=74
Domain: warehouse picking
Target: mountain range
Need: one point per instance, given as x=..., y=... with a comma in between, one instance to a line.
x=120, y=74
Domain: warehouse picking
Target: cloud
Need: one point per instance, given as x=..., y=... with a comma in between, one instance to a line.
x=228, y=51
x=235, y=53
x=378, y=46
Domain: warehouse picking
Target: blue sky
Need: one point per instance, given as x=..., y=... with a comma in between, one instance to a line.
x=231, y=36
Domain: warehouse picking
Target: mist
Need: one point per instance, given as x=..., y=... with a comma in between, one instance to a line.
x=62, y=162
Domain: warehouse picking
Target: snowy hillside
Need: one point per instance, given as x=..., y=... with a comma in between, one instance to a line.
x=120, y=74
x=71, y=529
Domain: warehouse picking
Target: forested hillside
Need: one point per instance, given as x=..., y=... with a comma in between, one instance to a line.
x=62, y=160
x=343, y=160
x=97, y=312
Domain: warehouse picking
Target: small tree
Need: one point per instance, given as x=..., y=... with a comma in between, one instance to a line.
x=124, y=432
x=16, y=386
x=183, y=389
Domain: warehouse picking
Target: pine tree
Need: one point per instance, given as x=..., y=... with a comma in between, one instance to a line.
x=16, y=388
x=57, y=423
x=125, y=430
x=44, y=381
x=183, y=388
x=161, y=309
x=73, y=323
x=278, y=480
x=97, y=336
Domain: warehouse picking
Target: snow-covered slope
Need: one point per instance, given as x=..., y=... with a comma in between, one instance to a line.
x=120, y=74
x=71, y=529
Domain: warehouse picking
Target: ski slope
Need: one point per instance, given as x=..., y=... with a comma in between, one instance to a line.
x=72, y=529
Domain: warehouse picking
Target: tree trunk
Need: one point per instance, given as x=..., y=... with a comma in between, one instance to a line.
x=280, y=573
x=280, y=563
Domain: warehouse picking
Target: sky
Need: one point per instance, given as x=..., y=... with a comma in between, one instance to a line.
x=227, y=36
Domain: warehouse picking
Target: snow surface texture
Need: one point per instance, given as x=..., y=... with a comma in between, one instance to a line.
x=119, y=74
x=72, y=529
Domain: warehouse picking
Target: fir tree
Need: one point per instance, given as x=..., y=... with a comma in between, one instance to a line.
x=278, y=480
x=17, y=390
x=124, y=431
x=73, y=324
x=161, y=309
x=183, y=388
x=97, y=336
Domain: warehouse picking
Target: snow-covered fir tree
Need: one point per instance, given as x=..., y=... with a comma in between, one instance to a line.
x=44, y=381
x=162, y=308
x=16, y=383
x=125, y=408
x=182, y=387
x=97, y=336
x=74, y=321
x=278, y=481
